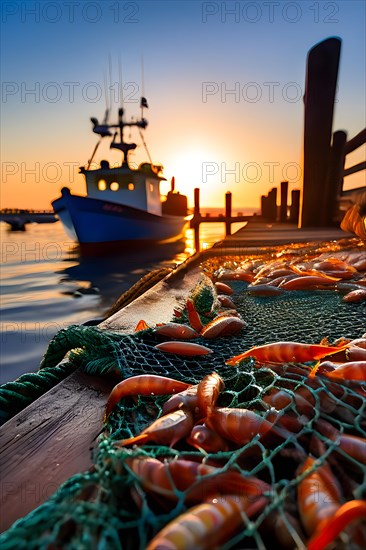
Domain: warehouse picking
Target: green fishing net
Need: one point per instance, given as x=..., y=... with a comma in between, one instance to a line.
x=108, y=507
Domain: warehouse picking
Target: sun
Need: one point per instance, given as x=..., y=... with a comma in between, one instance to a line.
x=191, y=168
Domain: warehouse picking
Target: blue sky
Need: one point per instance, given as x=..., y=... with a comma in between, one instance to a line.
x=194, y=53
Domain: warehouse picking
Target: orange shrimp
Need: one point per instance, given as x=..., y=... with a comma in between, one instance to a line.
x=309, y=282
x=352, y=445
x=203, y=438
x=183, y=348
x=197, y=480
x=318, y=495
x=355, y=295
x=223, y=288
x=141, y=325
x=223, y=325
x=177, y=331
x=332, y=527
x=287, y=352
x=207, y=525
x=166, y=430
x=225, y=301
x=264, y=290
x=353, y=370
x=237, y=425
x=143, y=384
x=193, y=317
x=186, y=399
x=208, y=391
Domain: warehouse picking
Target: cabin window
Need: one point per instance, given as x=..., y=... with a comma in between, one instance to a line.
x=102, y=185
x=131, y=186
x=114, y=186
x=151, y=187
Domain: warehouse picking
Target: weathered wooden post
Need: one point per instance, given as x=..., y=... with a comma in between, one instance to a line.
x=283, y=205
x=272, y=204
x=320, y=89
x=228, y=202
x=335, y=173
x=295, y=206
x=197, y=215
x=264, y=203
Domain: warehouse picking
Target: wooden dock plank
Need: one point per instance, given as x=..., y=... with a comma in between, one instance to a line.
x=48, y=442
x=259, y=233
x=52, y=439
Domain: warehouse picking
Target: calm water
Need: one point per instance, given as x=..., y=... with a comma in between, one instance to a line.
x=46, y=286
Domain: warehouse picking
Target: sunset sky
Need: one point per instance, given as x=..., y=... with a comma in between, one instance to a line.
x=224, y=82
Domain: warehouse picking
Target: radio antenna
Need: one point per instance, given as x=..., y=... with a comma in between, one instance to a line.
x=120, y=80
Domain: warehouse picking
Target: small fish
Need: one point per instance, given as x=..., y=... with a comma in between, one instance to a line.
x=183, y=348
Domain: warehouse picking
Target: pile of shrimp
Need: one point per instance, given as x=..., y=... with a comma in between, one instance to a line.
x=226, y=487
x=286, y=470
x=343, y=271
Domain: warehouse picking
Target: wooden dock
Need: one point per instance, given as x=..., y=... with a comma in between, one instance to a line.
x=53, y=438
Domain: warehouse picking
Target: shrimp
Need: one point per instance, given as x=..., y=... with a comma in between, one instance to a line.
x=223, y=288
x=318, y=495
x=287, y=352
x=353, y=370
x=225, y=301
x=186, y=399
x=144, y=384
x=203, y=438
x=330, y=528
x=208, y=391
x=183, y=348
x=166, y=430
x=223, y=326
x=237, y=425
x=177, y=331
x=207, y=525
x=193, y=316
x=264, y=290
x=197, y=480
x=358, y=295
x=141, y=325
x=309, y=282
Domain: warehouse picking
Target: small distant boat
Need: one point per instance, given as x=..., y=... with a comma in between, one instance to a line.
x=123, y=205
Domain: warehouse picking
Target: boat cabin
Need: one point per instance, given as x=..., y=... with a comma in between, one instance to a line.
x=136, y=188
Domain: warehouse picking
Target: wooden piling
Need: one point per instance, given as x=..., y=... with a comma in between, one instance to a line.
x=335, y=174
x=320, y=89
x=197, y=215
x=228, y=202
x=295, y=206
x=283, y=205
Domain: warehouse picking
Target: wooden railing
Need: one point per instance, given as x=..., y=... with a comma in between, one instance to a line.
x=337, y=172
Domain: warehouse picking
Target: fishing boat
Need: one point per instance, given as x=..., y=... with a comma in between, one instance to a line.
x=123, y=205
